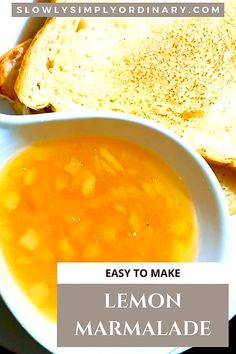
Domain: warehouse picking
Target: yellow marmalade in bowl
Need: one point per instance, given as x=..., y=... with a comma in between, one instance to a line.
x=90, y=199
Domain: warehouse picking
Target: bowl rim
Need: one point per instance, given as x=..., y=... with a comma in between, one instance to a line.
x=88, y=113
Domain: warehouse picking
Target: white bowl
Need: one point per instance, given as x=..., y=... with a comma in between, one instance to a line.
x=210, y=205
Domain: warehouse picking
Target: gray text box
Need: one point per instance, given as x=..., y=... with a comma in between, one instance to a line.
x=118, y=9
x=205, y=305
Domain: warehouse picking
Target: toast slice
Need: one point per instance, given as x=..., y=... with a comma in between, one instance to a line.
x=179, y=73
x=9, y=68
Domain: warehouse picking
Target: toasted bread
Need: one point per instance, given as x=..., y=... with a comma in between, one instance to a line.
x=180, y=74
x=9, y=68
x=227, y=179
